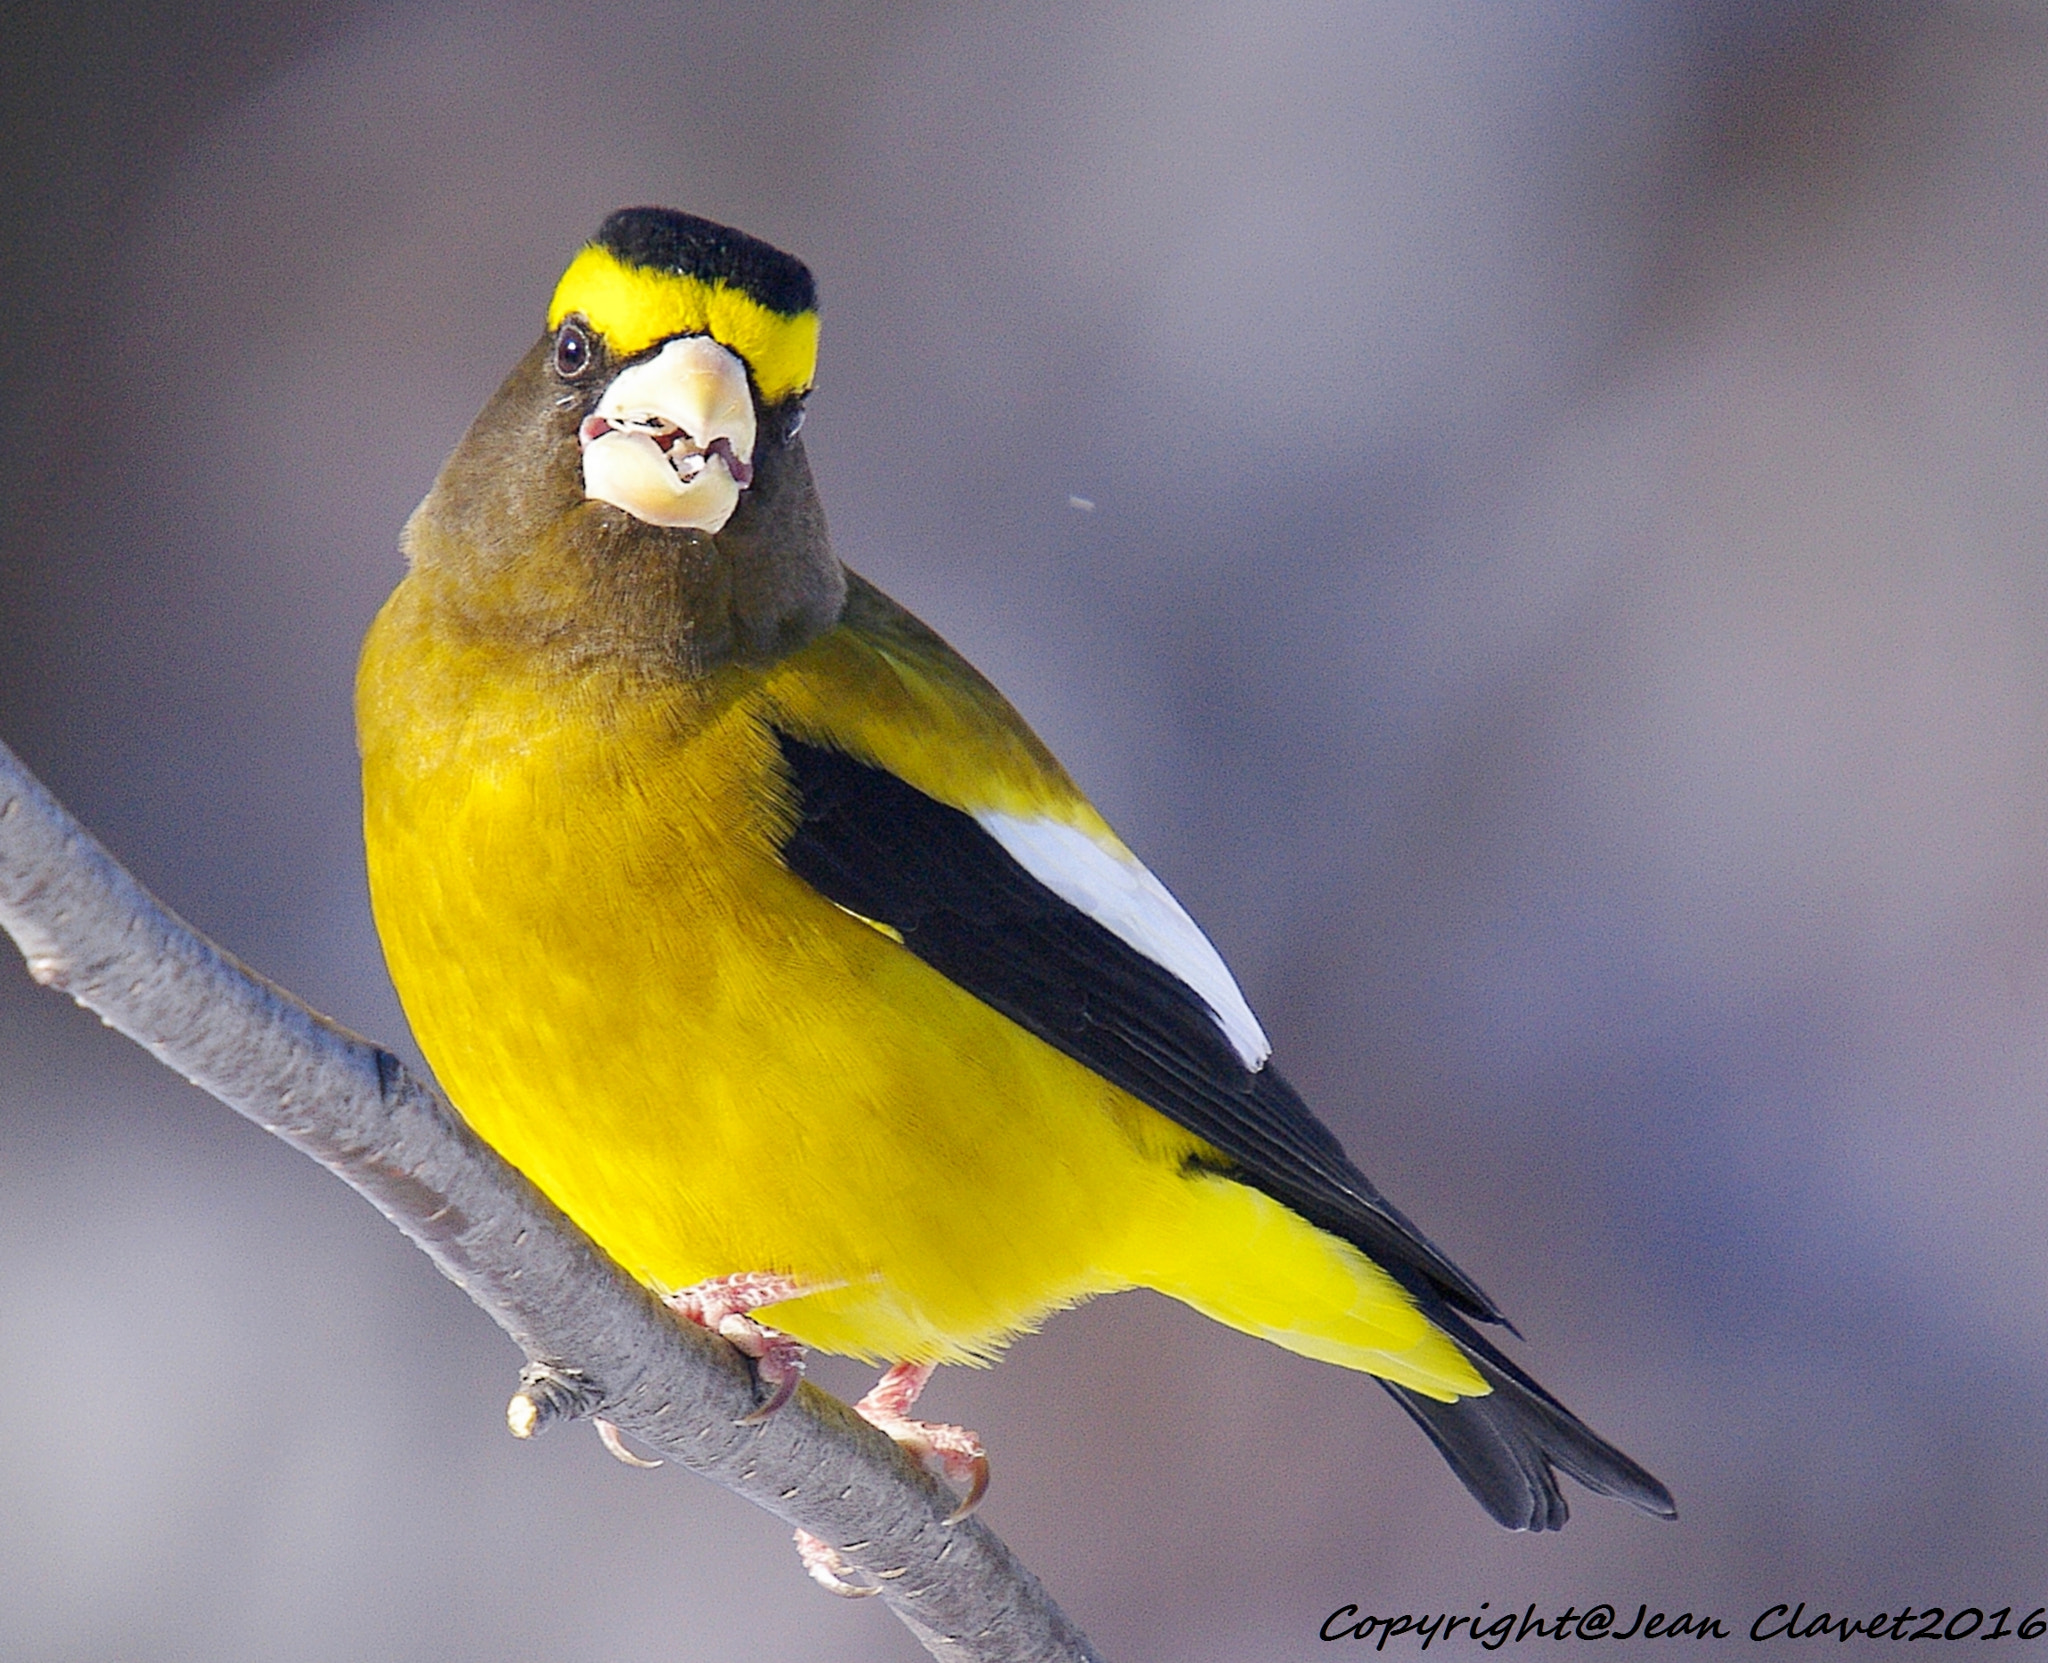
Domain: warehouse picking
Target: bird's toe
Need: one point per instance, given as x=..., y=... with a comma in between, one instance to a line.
x=831, y=1572
x=723, y=1305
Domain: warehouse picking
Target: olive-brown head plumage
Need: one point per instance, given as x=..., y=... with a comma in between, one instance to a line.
x=636, y=487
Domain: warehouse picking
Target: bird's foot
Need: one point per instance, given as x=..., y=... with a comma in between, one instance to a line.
x=722, y=1305
x=831, y=1572
x=951, y=1454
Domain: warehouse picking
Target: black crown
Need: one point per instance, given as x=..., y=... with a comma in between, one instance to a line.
x=661, y=239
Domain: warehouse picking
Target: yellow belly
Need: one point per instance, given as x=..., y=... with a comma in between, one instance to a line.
x=713, y=1070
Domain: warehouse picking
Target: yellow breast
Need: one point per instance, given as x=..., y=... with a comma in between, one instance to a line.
x=714, y=1070
x=708, y=1066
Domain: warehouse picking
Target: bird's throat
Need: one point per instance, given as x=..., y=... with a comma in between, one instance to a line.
x=507, y=546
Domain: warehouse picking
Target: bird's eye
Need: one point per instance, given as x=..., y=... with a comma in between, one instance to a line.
x=572, y=350
x=796, y=424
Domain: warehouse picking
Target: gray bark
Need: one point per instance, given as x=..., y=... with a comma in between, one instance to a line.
x=597, y=1343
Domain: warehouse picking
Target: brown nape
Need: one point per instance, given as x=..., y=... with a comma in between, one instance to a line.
x=508, y=545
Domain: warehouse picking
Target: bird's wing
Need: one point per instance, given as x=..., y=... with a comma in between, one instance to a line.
x=943, y=818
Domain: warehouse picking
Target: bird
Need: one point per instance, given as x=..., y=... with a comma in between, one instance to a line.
x=740, y=913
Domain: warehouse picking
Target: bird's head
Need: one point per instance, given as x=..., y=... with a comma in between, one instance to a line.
x=638, y=479
x=684, y=347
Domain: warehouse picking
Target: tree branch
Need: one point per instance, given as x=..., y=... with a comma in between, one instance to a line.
x=597, y=1343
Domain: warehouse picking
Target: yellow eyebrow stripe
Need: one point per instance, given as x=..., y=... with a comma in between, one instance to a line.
x=635, y=306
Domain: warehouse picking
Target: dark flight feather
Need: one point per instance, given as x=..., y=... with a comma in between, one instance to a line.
x=876, y=845
x=1504, y=1446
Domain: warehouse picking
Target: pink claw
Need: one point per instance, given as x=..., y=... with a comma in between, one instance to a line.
x=831, y=1572
x=951, y=1454
x=608, y=1435
x=779, y=1365
x=722, y=1305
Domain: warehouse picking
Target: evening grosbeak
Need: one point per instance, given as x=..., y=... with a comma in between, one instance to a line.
x=733, y=907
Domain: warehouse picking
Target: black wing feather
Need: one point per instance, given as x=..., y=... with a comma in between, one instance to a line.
x=878, y=846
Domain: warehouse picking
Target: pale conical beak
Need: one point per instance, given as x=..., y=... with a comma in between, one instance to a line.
x=672, y=440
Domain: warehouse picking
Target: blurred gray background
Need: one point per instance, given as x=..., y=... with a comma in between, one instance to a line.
x=1565, y=603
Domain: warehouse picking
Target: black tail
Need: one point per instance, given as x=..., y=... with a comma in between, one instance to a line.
x=1508, y=1447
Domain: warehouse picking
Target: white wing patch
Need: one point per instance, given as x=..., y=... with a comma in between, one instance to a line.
x=1121, y=895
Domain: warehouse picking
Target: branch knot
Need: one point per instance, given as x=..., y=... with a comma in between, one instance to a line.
x=548, y=1395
